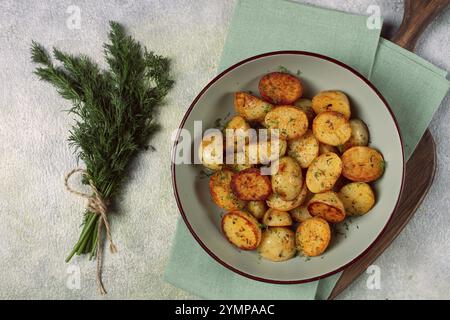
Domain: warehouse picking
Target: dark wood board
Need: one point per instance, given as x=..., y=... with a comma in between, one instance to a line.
x=421, y=166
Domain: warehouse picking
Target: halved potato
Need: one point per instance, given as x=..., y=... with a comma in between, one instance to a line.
x=362, y=164
x=300, y=214
x=221, y=193
x=331, y=128
x=210, y=151
x=332, y=100
x=328, y=206
x=257, y=208
x=290, y=121
x=287, y=178
x=324, y=148
x=261, y=152
x=238, y=128
x=277, y=218
x=240, y=162
x=276, y=202
x=241, y=229
x=277, y=244
x=250, y=107
x=304, y=149
x=306, y=106
x=323, y=172
x=250, y=184
x=313, y=237
x=360, y=134
x=358, y=198
x=280, y=88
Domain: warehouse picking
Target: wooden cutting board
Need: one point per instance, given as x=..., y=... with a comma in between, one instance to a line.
x=421, y=166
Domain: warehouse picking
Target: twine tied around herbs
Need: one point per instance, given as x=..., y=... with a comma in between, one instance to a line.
x=97, y=205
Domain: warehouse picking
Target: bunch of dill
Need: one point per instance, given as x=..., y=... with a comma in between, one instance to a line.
x=114, y=112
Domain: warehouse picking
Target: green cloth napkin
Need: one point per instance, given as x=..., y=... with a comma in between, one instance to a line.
x=266, y=25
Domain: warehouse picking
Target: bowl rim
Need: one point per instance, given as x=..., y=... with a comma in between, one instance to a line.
x=193, y=104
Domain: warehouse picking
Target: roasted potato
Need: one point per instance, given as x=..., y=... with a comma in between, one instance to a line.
x=306, y=106
x=250, y=107
x=261, y=152
x=237, y=128
x=362, y=164
x=358, y=198
x=300, y=214
x=257, y=208
x=360, y=134
x=241, y=229
x=331, y=100
x=331, y=128
x=328, y=206
x=276, y=202
x=240, y=161
x=313, y=237
x=287, y=178
x=280, y=88
x=325, y=148
x=323, y=172
x=277, y=244
x=290, y=121
x=221, y=193
x=250, y=184
x=210, y=151
x=277, y=218
x=304, y=149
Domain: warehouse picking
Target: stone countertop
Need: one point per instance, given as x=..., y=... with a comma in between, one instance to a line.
x=39, y=220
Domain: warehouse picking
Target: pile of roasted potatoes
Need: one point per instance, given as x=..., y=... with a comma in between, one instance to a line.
x=324, y=169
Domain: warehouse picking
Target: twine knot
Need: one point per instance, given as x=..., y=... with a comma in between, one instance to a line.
x=97, y=205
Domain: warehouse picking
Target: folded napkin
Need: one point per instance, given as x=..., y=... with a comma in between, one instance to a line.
x=260, y=26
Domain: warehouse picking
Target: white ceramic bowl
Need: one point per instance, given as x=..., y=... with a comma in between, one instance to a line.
x=317, y=73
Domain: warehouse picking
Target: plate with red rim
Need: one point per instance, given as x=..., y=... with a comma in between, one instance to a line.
x=353, y=237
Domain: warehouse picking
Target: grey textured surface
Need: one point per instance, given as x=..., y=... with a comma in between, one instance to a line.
x=39, y=219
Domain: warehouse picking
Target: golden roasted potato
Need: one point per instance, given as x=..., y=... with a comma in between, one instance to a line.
x=237, y=127
x=277, y=244
x=280, y=88
x=277, y=218
x=325, y=148
x=306, y=106
x=241, y=229
x=251, y=185
x=261, y=152
x=257, y=208
x=331, y=100
x=313, y=237
x=210, y=151
x=360, y=134
x=304, y=149
x=331, y=128
x=221, y=193
x=362, y=164
x=276, y=202
x=290, y=121
x=300, y=214
x=328, y=206
x=287, y=178
x=250, y=107
x=240, y=161
x=358, y=198
x=323, y=172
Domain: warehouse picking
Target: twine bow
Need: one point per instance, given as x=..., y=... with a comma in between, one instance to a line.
x=97, y=205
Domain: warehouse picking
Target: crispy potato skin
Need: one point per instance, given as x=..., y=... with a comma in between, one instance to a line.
x=291, y=121
x=287, y=181
x=241, y=229
x=257, y=208
x=250, y=107
x=249, y=184
x=276, y=202
x=331, y=100
x=276, y=218
x=323, y=172
x=313, y=236
x=331, y=128
x=277, y=244
x=221, y=193
x=362, y=164
x=358, y=198
x=280, y=88
x=328, y=206
x=304, y=149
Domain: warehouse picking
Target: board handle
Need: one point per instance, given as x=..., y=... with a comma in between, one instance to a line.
x=418, y=14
